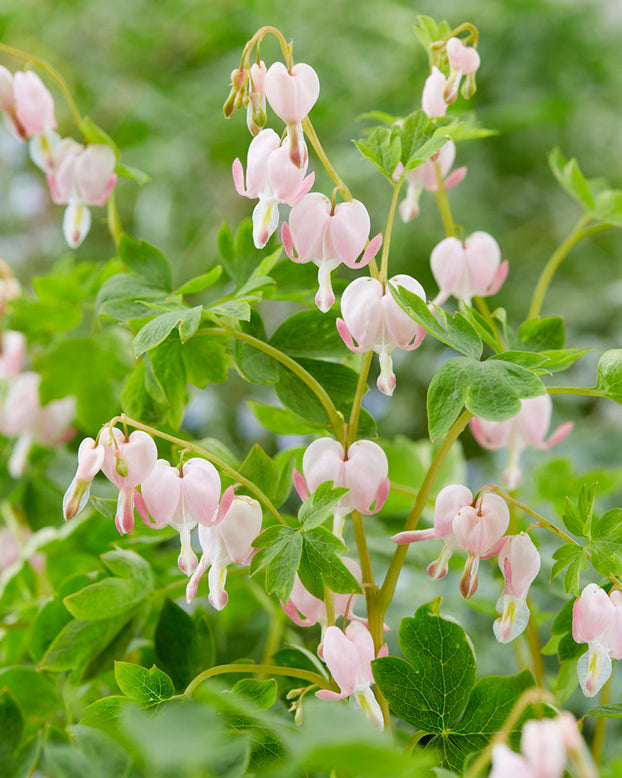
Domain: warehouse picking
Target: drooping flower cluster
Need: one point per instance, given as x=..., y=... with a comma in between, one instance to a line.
x=597, y=621
x=440, y=90
x=78, y=176
x=528, y=428
x=181, y=497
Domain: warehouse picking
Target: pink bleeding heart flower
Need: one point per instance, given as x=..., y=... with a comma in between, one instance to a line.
x=519, y=561
x=90, y=460
x=425, y=177
x=433, y=100
x=479, y=529
x=348, y=657
x=273, y=178
x=292, y=94
x=597, y=621
x=305, y=610
x=12, y=353
x=469, y=269
x=256, y=108
x=543, y=753
x=23, y=417
x=364, y=470
x=229, y=541
x=27, y=103
x=373, y=318
x=447, y=504
x=476, y=527
x=183, y=498
x=463, y=61
x=127, y=463
x=80, y=176
x=527, y=428
x=328, y=236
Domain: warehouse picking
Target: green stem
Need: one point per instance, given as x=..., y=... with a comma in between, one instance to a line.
x=483, y=308
x=384, y=261
x=390, y=582
x=587, y=391
x=361, y=388
x=534, y=648
x=336, y=419
x=203, y=452
x=317, y=146
x=290, y=672
x=261, y=33
x=52, y=72
x=369, y=584
x=410, y=746
x=114, y=222
x=443, y=204
x=598, y=738
x=579, y=232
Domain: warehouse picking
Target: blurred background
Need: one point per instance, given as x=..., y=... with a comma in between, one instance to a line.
x=154, y=75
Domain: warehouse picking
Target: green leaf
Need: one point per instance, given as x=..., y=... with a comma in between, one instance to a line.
x=48, y=622
x=262, y=693
x=573, y=557
x=319, y=505
x=128, y=564
x=254, y=365
x=80, y=641
x=138, y=404
x=133, y=173
x=92, y=133
x=105, y=599
x=205, y=360
x=609, y=207
x=183, y=649
x=382, y=149
x=490, y=704
x=148, y=687
x=542, y=334
x=145, y=261
x=571, y=179
x=156, y=331
x=279, y=554
x=609, y=374
x=430, y=687
x=455, y=331
x=120, y=297
x=417, y=132
x=320, y=566
x=491, y=390
x=165, y=378
x=309, y=334
x=340, y=383
x=261, y=470
x=201, y=282
x=33, y=692
x=612, y=711
x=606, y=544
x=11, y=725
x=279, y=420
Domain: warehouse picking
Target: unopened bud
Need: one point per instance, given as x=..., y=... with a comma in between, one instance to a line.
x=121, y=468
x=469, y=87
x=238, y=78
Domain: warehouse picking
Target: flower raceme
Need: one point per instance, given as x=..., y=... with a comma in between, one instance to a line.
x=228, y=541
x=318, y=232
x=425, y=177
x=182, y=498
x=292, y=94
x=519, y=561
x=476, y=527
x=597, y=621
x=469, y=269
x=273, y=178
x=348, y=657
x=463, y=61
x=364, y=470
x=373, y=318
x=27, y=103
x=527, y=428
